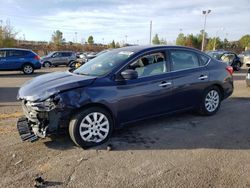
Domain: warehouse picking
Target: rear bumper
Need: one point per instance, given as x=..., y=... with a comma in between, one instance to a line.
x=228, y=88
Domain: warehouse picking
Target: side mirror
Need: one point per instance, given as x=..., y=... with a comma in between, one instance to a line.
x=129, y=74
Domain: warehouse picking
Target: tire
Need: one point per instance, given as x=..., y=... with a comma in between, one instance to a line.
x=72, y=64
x=28, y=69
x=68, y=65
x=86, y=132
x=47, y=64
x=211, y=101
x=237, y=66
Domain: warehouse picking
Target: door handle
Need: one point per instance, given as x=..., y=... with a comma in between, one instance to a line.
x=164, y=84
x=203, y=77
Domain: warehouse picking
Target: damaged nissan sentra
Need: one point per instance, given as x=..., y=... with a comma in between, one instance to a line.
x=119, y=87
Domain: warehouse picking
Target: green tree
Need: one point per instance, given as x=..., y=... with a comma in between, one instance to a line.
x=163, y=41
x=245, y=41
x=112, y=44
x=214, y=43
x=91, y=40
x=57, y=38
x=7, y=35
x=181, y=39
x=117, y=45
x=156, y=39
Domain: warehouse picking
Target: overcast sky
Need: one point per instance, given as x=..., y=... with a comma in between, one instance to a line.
x=114, y=19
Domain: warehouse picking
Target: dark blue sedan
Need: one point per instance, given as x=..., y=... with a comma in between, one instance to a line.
x=19, y=59
x=122, y=86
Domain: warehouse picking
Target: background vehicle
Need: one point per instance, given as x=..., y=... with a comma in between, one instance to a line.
x=248, y=78
x=58, y=58
x=122, y=86
x=228, y=57
x=246, y=57
x=92, y=55
x=19, y=59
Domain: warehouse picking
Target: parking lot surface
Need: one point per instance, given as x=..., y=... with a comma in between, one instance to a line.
x=183, y=150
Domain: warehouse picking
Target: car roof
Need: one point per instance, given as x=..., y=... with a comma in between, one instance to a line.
x=21, y=49
x=136, y=49
x=65, y=51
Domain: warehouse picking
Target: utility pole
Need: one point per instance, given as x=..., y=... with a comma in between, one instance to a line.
x=150, y=32
x=205, y=12
x=76, y=37
x=126, y=39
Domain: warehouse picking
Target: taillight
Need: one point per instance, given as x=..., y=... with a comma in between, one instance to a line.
x=37, y=57
x=230, y=69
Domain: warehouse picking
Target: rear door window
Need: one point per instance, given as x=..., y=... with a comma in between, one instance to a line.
x=66, y=54
x=16, y=53
x=203, y=60
x=182, y=59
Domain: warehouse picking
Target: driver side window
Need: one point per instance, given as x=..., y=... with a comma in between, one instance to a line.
x=149, y=65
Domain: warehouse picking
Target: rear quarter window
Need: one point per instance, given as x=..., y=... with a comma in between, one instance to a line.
x=203, y=60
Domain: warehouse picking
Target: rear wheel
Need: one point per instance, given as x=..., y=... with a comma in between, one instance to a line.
x=47, y=64
x=91, y=127
x=28, y=69
x=211, y=100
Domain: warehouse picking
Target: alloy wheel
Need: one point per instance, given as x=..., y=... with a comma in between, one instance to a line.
x=27, y=69
x=94, y=127
x=212, y=100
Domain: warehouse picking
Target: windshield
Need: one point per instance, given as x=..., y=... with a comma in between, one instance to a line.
x=103, y=63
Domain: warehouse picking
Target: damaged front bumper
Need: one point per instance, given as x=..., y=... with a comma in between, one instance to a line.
x=25, y=130
x=41, y=118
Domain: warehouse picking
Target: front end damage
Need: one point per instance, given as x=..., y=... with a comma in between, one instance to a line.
x=48, y=102
x=41, y=118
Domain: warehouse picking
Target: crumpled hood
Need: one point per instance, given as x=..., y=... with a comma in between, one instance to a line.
x=42, y=87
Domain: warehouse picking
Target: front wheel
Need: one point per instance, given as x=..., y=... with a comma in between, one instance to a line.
x=91, y=127
x=211, y=100
x=28, y=69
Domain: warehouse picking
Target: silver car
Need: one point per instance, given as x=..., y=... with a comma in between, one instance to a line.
x=246, y=57
x=58, y=58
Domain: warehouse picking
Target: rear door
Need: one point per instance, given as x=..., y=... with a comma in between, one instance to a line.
x=16, y=58
x=190, y=77
x=65, y=58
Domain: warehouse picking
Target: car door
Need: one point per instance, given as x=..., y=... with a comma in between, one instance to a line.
x=15, y=59
x=65, y=58
x=3, y=60
x=190, y=77
x=56, y=58
x=148, y=95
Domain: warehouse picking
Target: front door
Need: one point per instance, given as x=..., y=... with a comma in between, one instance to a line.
x=148, y=95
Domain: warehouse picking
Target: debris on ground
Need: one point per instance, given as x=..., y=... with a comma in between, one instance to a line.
x=109, y=147
x=18, y=162
x=39, y=181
